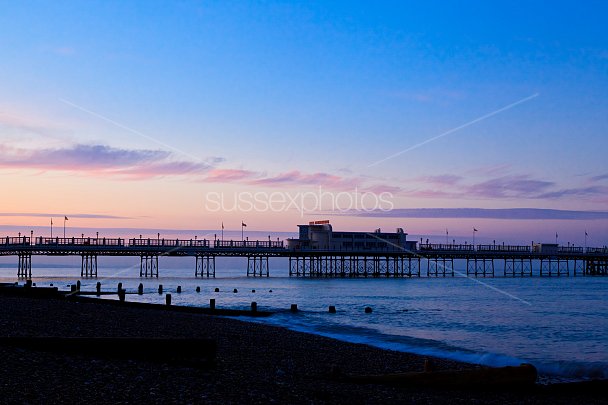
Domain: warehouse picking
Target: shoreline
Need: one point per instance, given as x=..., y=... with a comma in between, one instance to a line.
x=264, y=316
x=255, y=362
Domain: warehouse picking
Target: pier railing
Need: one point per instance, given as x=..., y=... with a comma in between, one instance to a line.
x=20, y=240
x=570, y=249
x=503, y=248
x=266, y=244
x=597, y=250
x=10, y=242
x=445, y=247
x=169, y=242
x=79, y=241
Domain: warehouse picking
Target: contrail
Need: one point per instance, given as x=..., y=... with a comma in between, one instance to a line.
x=483, y=117
x=133, y=131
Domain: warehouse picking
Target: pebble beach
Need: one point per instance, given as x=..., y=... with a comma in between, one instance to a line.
x=254, y=363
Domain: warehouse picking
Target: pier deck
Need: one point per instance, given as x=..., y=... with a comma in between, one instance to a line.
x=431, y=260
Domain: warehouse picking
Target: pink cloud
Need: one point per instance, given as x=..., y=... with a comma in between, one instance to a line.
x=228, y=175
x=99, y=160
x=444, y=179
x=295, y=177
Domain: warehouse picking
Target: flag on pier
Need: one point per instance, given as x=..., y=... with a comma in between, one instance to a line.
x=65, y=218
x=222, y=225
x=475, y=230
x=586, y=234
x=243, y=224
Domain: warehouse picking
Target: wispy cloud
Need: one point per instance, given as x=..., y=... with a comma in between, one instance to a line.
x=295, y=177
x=99, y=160
x=522, y=186
x=229, y=175
x=483, y=213
x=600, y=177
x=55, y=214
x=509, y=186
x=444, y=179
x=575, y=192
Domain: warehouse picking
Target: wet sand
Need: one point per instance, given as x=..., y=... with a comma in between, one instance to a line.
x=254, y=363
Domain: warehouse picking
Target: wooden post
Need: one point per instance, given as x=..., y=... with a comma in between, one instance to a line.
x=140, y=289
x=179, y=289
x=294, y=308
x=119, y=287
x=212, y=303
x=168, y=299
x=98, y=288
x=332, y=309
x=160, y=288
x=254, y=307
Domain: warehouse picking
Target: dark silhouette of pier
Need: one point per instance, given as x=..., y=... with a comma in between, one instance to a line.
x=427, y=260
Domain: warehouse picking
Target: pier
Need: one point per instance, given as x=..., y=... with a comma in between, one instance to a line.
x=423, y=260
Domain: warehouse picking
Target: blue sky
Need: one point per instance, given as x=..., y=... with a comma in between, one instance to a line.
x=107, y=99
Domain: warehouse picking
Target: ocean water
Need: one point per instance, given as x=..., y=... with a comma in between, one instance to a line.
x=558, y=324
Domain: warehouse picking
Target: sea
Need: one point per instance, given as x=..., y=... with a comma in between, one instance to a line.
x=558, y=324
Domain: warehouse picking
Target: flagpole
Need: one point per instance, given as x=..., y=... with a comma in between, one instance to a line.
x=447, y=236
x=64, y=227
x=51, y=227
x=585, y=240
x=242, y=232
x=222, y=231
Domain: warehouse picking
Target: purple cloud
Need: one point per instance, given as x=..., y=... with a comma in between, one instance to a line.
x=50, y=215
x=600, y=177
x=509, y=186
x=576, y=192
x=295, y=177
x=444, y=179
x=483, y=213
x=100, y=160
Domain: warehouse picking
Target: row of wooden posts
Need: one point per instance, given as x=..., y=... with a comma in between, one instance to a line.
x=140, y=290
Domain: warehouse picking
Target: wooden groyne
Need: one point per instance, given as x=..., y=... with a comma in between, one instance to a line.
x=54, y=293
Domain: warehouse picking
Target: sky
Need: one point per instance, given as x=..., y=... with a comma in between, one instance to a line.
x=183, y=115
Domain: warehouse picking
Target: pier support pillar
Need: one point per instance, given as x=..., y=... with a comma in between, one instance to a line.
x=205, y=266
x=551, y=266
x=257, y=266
x=24, y=266
x=440, y=266
x=480, y=266
x=596, y=267
x=410, y=266
x=517, y=267
x=88, y=266
x=148, y=266
x=579, y=268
